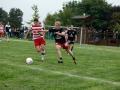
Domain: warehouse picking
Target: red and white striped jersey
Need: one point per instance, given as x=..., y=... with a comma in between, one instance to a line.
x=37, y=31
x=1, y=28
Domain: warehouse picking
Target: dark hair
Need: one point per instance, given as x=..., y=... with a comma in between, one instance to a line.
x=35, y=19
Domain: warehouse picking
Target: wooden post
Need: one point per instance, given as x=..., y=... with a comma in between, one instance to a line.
x=81, y=35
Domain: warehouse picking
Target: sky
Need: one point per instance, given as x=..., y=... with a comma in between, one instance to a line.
x=44, y=6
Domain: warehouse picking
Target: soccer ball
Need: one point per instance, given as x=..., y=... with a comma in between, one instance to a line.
x=29, y=60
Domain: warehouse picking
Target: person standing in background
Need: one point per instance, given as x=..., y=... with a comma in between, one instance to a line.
x=1, y=31
x=7, y=31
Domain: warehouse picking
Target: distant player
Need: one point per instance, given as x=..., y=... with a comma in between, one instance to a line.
x=38, y=37
x=7, y=31
x=60, y=41
x=1, y=31
x=71, y=37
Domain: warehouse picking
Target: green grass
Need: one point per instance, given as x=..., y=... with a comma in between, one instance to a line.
x=98, y=68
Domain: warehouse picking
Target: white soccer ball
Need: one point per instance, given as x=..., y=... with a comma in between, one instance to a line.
x=29, y=60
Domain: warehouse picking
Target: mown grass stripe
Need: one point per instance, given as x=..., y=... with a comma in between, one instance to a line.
x=87, y=78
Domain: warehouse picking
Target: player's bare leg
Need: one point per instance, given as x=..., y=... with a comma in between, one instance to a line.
x=71, y=47
x=42, y=52
x=1, y=37
x=71, y=54
x=59, y=54
x=7, y=36
x=38, y=48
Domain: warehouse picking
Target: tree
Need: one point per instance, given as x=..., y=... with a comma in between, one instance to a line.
x=3, y=16
x=63, y=15
x=70, y=9
x=15, y=17
x=50, y=19
x=35, y=13
x=115, y=21
x=98, y=10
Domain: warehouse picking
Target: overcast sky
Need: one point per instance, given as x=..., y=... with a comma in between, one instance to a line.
x=45, y=6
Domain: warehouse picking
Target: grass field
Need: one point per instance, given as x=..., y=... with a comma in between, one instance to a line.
x=98, y=68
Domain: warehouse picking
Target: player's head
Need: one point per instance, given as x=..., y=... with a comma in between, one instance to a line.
x=36, y=20
x=57, y=24
x=71, y=27
x=68, y=28
x=0, y=23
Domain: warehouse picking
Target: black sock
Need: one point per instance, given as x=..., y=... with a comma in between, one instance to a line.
x=42, y=53
x=60, y=58
x=73, y=58
x=71, y=48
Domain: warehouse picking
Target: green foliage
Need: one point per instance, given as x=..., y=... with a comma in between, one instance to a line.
x=63, y=15
x=35, y=13
x=15, y=17
x=35, y=9
x=115, y=21
x=50, y=19
x=3, y=16
x=70, y=9
x=116, y=27
x=98, y=10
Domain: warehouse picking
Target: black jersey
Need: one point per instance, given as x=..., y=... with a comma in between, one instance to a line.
x=7, y=28
x=71, y=35
x=58, y=38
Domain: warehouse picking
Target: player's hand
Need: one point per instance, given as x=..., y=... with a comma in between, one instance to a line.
x=56, y=32
x=46, y=30
x=66, y=44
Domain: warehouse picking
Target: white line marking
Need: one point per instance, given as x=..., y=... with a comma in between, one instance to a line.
x=20, y=40
x=87, y=78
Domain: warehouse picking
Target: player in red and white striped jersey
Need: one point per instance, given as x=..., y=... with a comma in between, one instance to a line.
x=38, y=37
x=1, y=30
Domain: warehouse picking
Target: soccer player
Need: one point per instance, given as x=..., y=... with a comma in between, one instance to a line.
x=7, y=30
x=71, y=37
x=38, y=37
x=60, y=41
x=1, y=31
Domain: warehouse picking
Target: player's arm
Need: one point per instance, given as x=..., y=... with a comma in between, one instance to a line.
x=76, y=37
x=61, y=34
x=26, y=35
x=66, y=35
x=44, y=31
x=4, y=30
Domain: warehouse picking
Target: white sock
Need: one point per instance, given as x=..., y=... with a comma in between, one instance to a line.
x=42, y=57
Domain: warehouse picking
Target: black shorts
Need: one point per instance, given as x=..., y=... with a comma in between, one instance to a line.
x=71, y=42
x=63, y=45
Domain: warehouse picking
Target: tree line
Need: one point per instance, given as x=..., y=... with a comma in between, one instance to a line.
x=14, y=17
x=101, y=14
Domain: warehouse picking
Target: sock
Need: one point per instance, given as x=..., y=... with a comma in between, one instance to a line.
x=73, y=58
x=60, y=59
x=72, y=49
x=42, y=56
x=42, y=53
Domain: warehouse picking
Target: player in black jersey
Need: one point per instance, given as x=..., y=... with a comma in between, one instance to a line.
x=60, y=41
x=71, y=37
